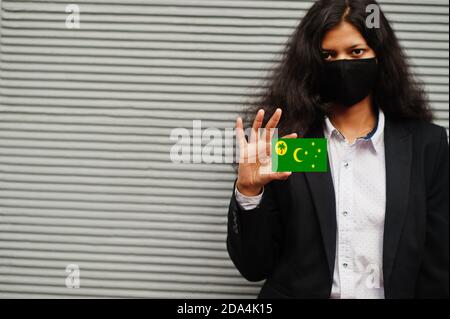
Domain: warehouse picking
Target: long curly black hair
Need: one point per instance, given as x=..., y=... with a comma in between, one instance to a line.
x=293, y=85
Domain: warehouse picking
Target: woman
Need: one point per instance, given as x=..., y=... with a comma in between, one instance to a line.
x=376, y=224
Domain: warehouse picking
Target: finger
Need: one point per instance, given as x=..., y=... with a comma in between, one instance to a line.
x=275, y=119
x=293, y=135
x=270, y=129
x=257, y=123
x=240, y=131
x=241, y=140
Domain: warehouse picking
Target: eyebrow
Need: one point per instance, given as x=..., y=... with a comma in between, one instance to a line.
x=352, y=47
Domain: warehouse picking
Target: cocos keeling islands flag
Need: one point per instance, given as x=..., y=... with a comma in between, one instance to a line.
x=299, y=155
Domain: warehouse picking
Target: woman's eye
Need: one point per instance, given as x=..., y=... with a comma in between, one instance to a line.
x=326, y=55
x=358, y=52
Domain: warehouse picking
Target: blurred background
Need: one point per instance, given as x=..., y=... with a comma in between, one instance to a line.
x=85, y=119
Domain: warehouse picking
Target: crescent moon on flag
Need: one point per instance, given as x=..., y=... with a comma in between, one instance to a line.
x=295, y=155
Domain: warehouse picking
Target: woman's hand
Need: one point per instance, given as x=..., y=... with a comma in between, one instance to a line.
x=255, y=155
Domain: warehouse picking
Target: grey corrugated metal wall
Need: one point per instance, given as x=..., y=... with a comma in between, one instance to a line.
x=85, y=118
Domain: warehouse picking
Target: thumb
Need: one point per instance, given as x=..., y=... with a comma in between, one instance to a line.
x=267, y=178
x=280, y=176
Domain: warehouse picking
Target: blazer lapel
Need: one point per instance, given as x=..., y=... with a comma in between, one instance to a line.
x=398, y=154
x=322, y=190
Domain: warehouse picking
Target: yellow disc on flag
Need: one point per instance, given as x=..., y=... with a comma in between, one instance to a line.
x=281, y=148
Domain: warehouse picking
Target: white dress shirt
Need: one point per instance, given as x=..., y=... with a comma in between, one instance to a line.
x=359, y=178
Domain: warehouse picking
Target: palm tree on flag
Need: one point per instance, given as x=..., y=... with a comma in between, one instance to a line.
x=282, y=148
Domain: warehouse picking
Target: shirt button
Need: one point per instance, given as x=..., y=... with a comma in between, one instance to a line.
x=346, y=164
x=345, y=265
x=345, y=213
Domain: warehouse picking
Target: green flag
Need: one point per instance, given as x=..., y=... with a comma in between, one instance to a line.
x=299, y=155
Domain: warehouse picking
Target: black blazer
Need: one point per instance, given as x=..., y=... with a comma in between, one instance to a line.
x=290, y=238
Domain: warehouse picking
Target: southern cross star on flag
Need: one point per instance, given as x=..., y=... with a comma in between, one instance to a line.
x=299, y=155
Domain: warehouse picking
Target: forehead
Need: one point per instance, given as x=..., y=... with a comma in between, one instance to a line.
x=343, y=36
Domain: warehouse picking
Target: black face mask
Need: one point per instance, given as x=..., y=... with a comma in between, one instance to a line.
x=347, y=82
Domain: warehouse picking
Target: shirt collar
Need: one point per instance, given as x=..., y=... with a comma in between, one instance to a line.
x=375, y=136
